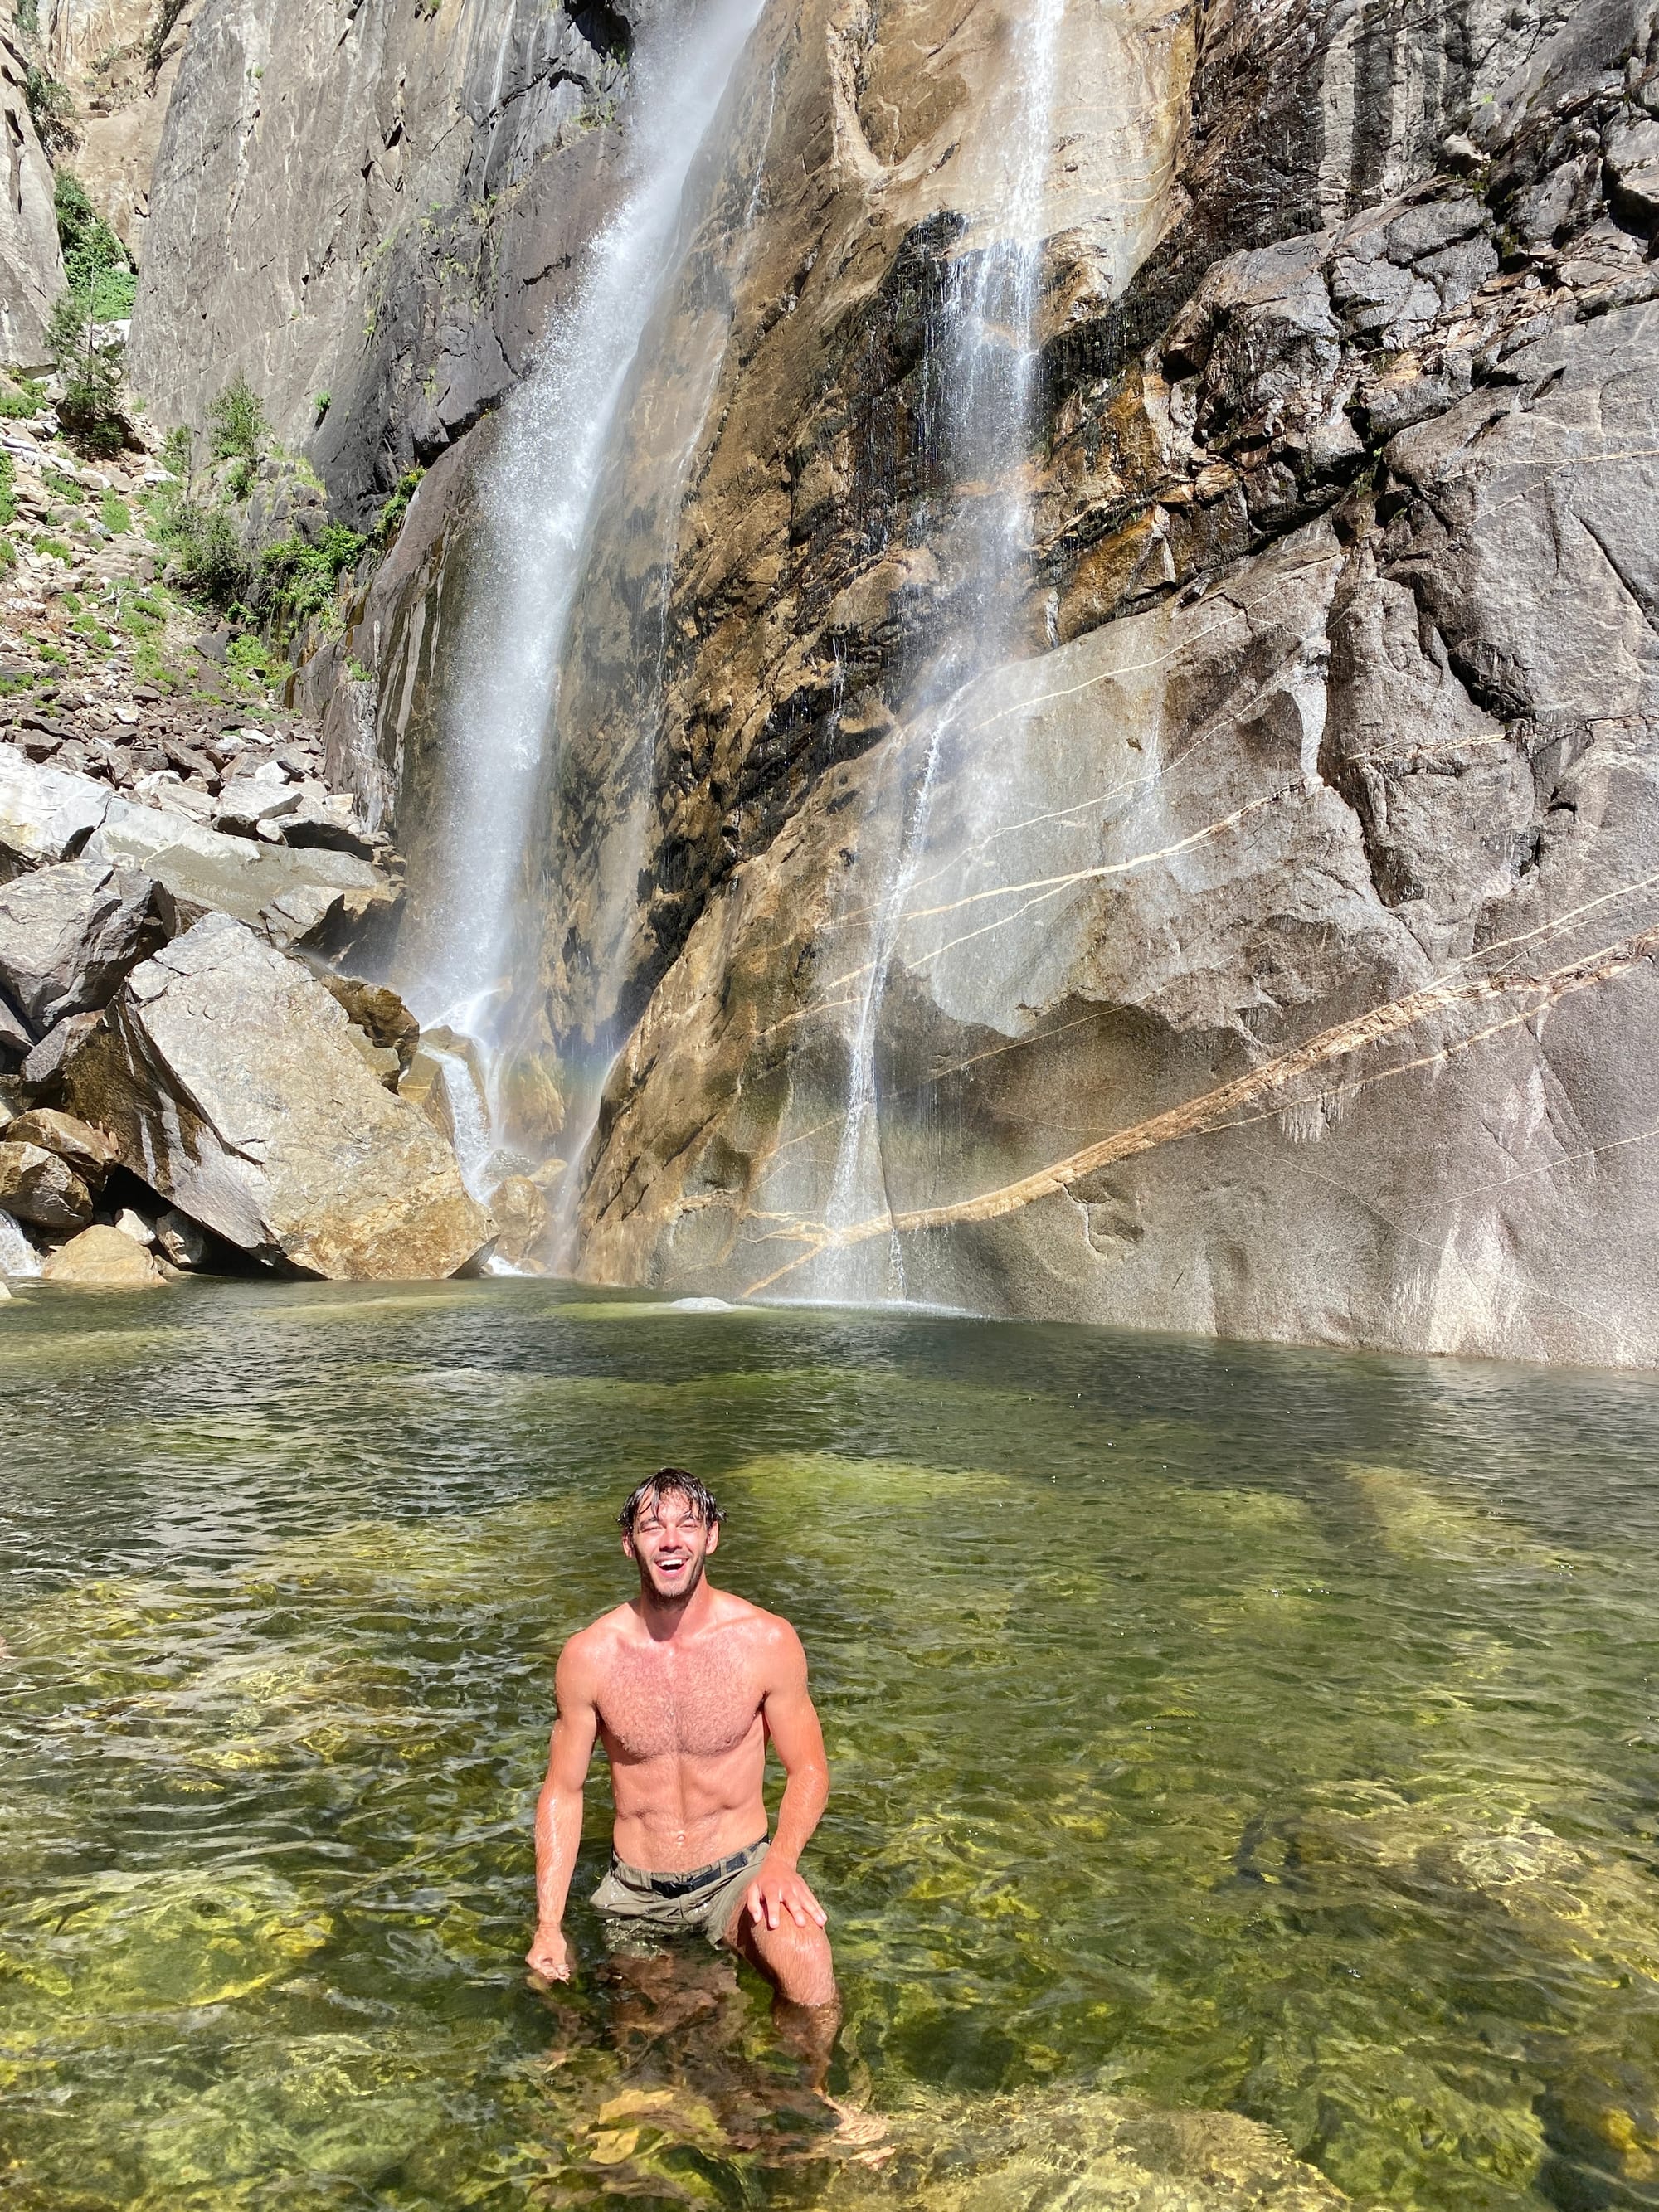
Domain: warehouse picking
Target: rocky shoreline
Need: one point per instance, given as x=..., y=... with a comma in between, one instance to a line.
x=192, y=1076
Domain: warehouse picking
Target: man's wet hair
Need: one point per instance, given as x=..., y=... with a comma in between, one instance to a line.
x=657, y=1486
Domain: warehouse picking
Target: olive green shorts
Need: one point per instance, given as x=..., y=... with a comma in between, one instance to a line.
x=701, y=1903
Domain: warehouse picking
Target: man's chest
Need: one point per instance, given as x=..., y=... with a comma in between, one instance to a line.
x=659, y=1705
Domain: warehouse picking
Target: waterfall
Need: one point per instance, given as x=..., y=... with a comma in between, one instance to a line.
x=679, y=379
x=987, y=365
x=18, y=1257
x=537, y=505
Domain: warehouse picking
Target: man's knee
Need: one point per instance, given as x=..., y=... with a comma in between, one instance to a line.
x=797, y=1959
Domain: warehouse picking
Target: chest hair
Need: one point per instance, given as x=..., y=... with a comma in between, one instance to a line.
x=662, y=1703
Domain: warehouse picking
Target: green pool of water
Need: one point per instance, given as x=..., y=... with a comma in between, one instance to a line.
x=1215, y=1728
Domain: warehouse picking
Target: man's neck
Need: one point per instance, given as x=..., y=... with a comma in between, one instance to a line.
x=665, y=1618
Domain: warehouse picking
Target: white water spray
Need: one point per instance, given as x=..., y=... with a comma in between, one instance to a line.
x=539, y=507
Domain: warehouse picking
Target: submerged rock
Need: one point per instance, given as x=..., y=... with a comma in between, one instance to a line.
x=103, y=1259
x=1092, y=2153
x=229, y=1076
x=68, y=935
x=1034, y=2151
x=1569, y=1899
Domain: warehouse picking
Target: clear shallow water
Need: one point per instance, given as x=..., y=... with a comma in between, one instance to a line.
x=1219, y=1728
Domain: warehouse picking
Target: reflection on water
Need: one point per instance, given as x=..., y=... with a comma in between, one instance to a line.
x=1257, y=1734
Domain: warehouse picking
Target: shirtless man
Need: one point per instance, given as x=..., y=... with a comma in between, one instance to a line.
x=683, y=1685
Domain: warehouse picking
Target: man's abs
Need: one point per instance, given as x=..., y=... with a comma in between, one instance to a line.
x=678, y=1810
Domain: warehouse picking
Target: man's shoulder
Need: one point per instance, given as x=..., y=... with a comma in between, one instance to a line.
x=766, y=1631
x=598, y=1638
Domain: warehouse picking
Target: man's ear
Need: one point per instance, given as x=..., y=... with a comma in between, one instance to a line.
x=714, y=1543
x=629, y=1552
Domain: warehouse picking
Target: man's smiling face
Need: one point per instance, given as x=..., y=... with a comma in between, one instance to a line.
x=670, y=1541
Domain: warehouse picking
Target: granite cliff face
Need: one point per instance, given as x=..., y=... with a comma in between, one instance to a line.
x=1258, y=939
x=377, y=203
x=31, y=264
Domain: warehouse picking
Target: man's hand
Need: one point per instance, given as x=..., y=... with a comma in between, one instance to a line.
x=777, y=1889
x=550, y=1955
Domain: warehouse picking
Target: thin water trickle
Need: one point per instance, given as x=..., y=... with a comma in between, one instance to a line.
x=987, y=360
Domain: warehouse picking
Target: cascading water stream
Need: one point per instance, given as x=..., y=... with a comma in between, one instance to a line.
x=538, y=505
x=988, y=365
x=698, y=379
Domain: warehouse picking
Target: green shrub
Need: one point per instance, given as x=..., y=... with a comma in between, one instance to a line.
x=300, y=578
x=208, y=555
x=50, y=110
x=28, y=397
x=8, y=553
x=56, y=549
x=257, y=669
x=63, y=487
x=240, y=430
x=392, y=514
x=179, y=453
x=115, y=514
x=100, y=269
x=90, y=409
x=7, y=490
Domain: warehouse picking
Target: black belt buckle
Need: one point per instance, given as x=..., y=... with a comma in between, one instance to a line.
x=675, y=1885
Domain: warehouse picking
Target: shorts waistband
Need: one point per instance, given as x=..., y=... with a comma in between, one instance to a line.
x=680, y=1885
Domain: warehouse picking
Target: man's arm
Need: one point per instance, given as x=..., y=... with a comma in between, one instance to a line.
x=559, y=1812
x=792, y=1725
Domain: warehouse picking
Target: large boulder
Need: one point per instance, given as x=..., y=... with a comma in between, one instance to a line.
x=42, y=1071
x=229, y=1078
x=88, y=1151
x=69, y=934
x=15, y=1041
x=103, y=1259
x=286, y=895
x=45, y=814
x=36, y=1185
